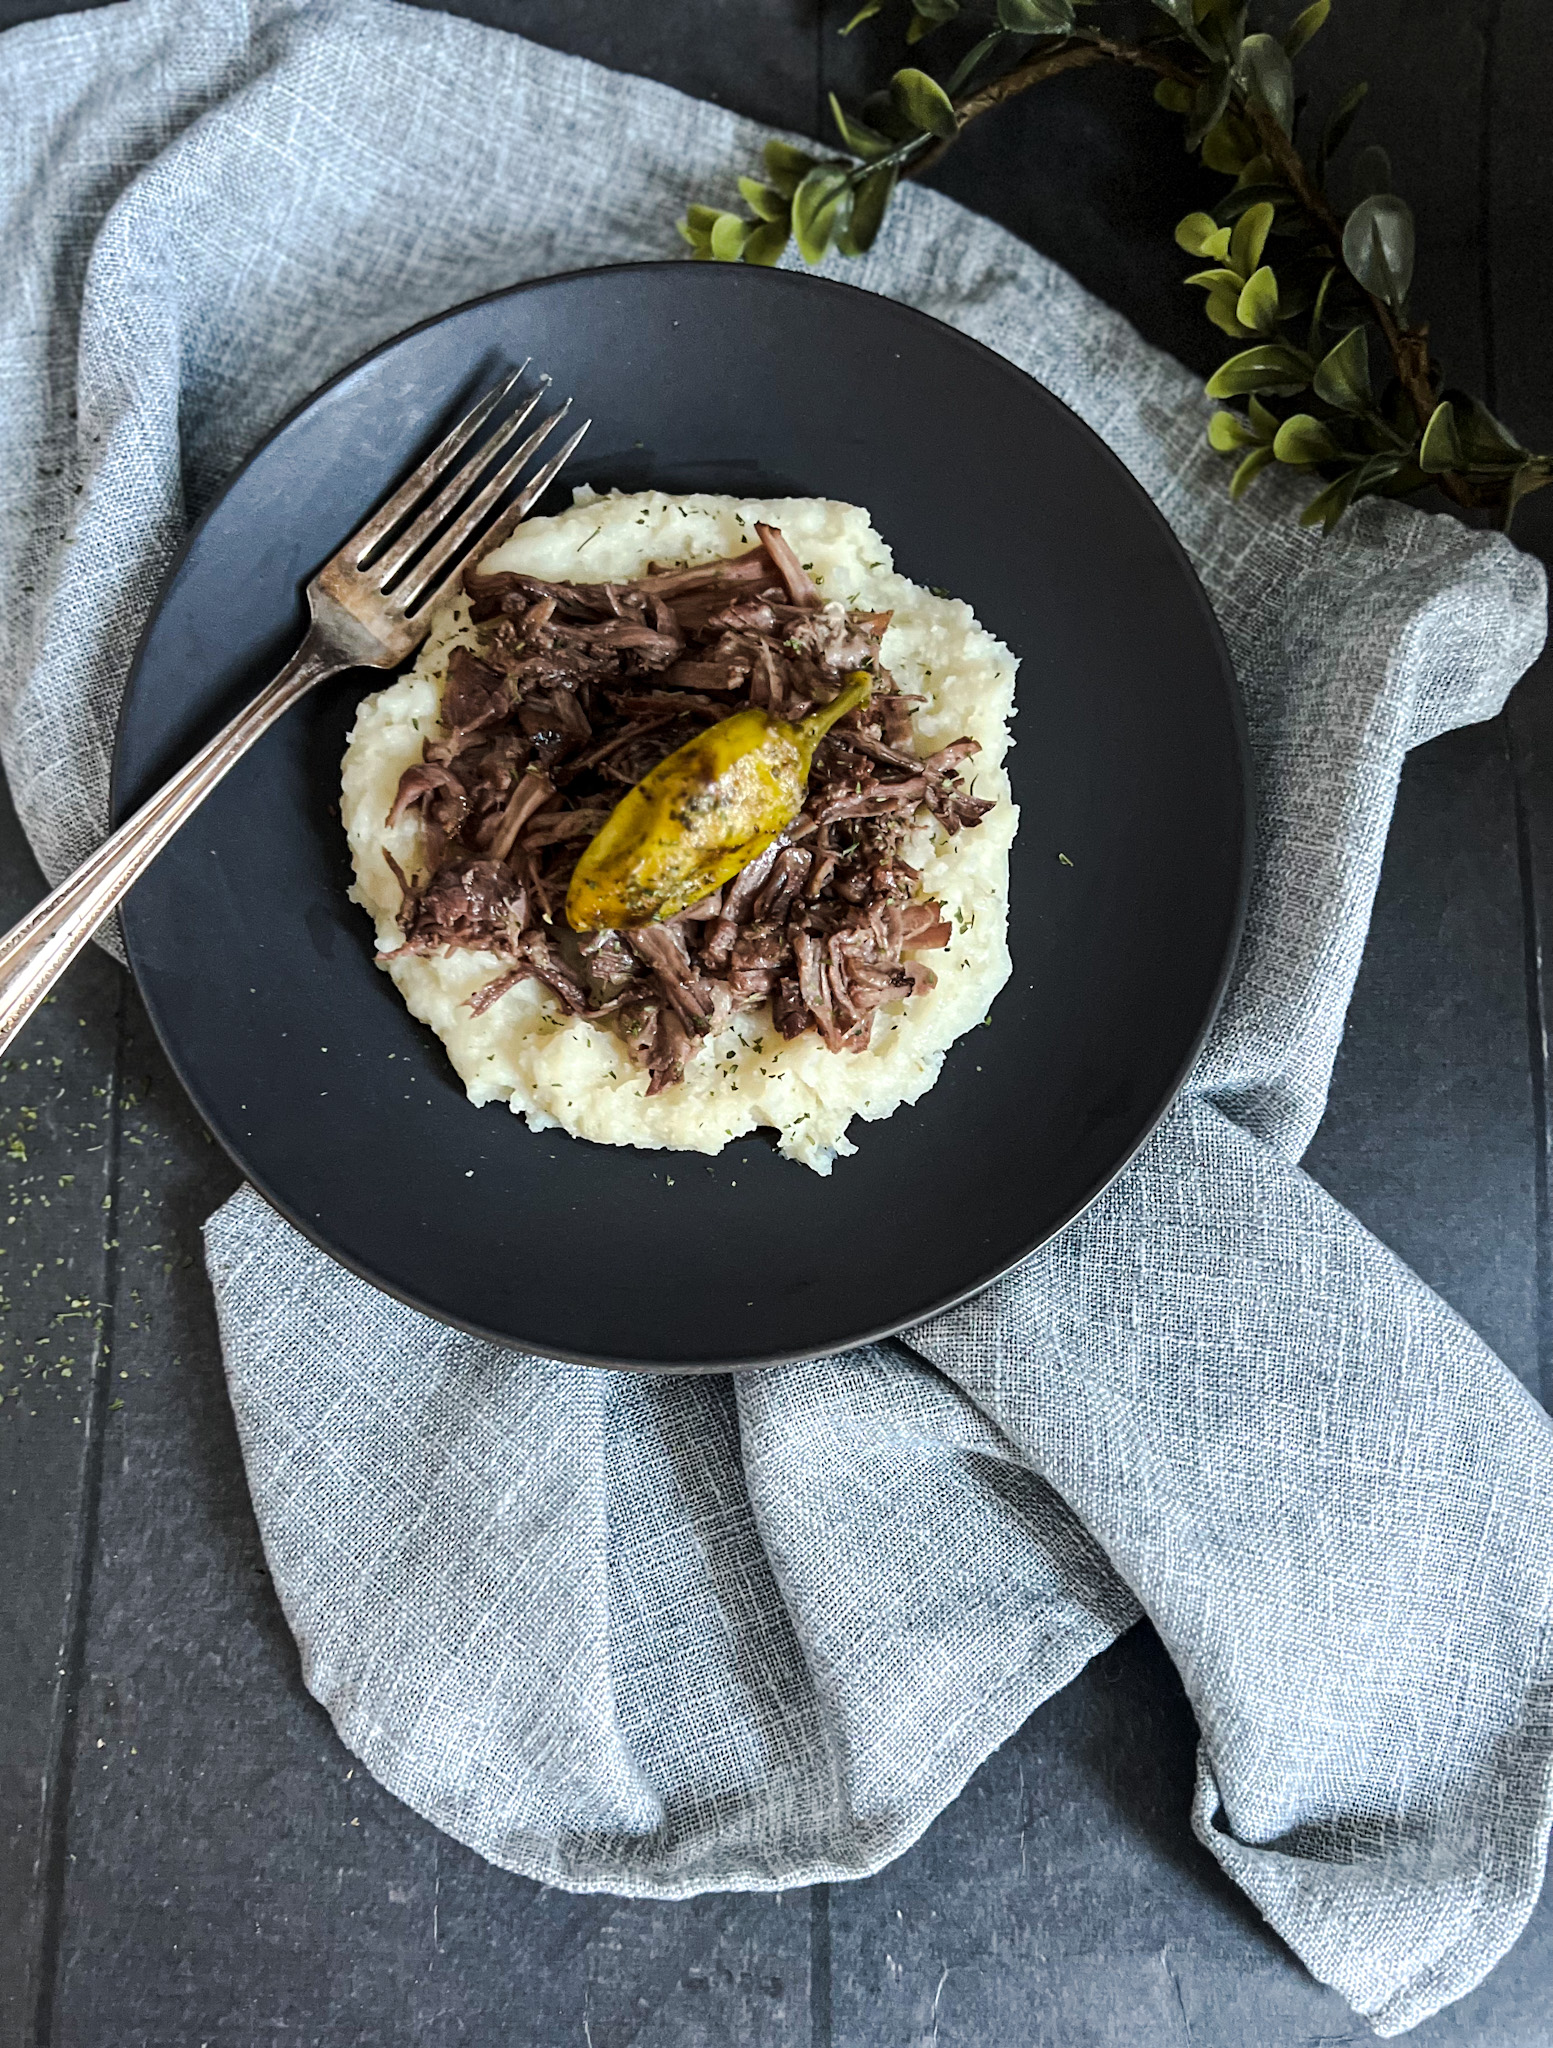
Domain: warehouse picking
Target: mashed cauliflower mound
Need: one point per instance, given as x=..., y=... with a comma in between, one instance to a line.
x=561, y=1071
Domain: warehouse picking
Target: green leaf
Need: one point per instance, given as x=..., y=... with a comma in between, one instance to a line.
x=923, y=102
x=766, y=243
x=1250, y=238
x=1534, y=474
x=1373, y=476
x=1258, y=304
x=694, y=236
x=1173, y=96
x=1266, y=423
x=1271, y=366
x=1342, y=376
x=869, y=206
x=1244, y=197
x=1484, y=441
x=928, y=15
x=1222, y=149
x=1249, y=471
x=1260, y=171
x=1318, y=311
x=1409, y=477
x=1341, y=120
x=703, y=219
x=764, y=201
x=1036, y=17
x=969, y=62
x=1441, y=448
x=1200, y=235
x=815, y=206
x=1371, y=172
x=786, y=167
x=1228, y=432
x=1223, y=23
x=1328, y=506
x=881, y=112
x=1182, y=13
x=1303, y=440
x=1305, y=25
x=1218, y=280
x=1208, y=105
x=1267, y=78
x=1378, y=247
x=862, y=140
x=866, y=12
x=1221, y=310
x=728, y=237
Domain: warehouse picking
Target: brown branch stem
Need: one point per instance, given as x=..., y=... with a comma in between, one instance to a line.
x=1408, y=346
x=1068, y=55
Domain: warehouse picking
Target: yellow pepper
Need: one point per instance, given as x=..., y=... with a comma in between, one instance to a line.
x=706, y=811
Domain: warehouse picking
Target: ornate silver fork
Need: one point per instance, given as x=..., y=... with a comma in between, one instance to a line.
x=371, y=606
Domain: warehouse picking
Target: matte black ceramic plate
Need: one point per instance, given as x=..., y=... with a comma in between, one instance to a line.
x=1130, y=762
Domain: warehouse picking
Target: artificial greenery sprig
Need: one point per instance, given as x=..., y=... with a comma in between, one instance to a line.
x=1303, y=288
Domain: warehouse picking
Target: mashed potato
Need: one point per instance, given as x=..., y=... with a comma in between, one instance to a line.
x=560, y=1071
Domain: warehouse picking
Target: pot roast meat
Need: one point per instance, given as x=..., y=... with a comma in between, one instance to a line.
x=473, y=903
x=734, y=906
x=578, y=689
x=531, y=792
x=783, y=886
x=755, y=959
x=716, y=577
x=608, y=964
x=792, y=572
x=473, y=694
x=421, y=780
x=727, y=674
x=701, y=1002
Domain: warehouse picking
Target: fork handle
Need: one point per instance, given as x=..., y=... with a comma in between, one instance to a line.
x=36, y=952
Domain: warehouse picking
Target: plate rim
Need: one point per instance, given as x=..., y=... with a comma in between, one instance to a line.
x=1171, y=1094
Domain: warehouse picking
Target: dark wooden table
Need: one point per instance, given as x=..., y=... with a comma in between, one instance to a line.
x=188, y=1855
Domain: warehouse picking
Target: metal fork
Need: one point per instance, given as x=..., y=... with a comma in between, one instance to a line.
x=371, y=604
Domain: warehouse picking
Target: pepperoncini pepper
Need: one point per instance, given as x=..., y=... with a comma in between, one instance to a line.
x=706, y=811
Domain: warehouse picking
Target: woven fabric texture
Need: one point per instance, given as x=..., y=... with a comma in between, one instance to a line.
x=661, y=1636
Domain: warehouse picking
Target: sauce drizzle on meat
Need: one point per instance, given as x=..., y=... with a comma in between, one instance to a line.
x=576, y=692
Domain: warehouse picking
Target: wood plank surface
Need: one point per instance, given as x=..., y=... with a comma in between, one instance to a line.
x=57, y=1155
x=1517, y=176
x=192, y=1855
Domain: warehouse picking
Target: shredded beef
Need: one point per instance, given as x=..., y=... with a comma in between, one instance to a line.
x=579, y=689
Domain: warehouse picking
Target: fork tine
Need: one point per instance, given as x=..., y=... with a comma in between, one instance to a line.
x=414, y=488
x=502, y=525
x=530, y=495
x=458, y=486
x=449, y=547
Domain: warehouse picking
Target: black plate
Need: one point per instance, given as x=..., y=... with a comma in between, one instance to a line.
x=1131, y=762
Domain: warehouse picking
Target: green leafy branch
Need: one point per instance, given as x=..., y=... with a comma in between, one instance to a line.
x=1305, y=289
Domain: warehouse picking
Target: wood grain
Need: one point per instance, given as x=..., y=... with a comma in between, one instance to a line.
x=57, y=1224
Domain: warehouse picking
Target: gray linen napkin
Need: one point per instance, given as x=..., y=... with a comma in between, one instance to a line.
x=659, y=1636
